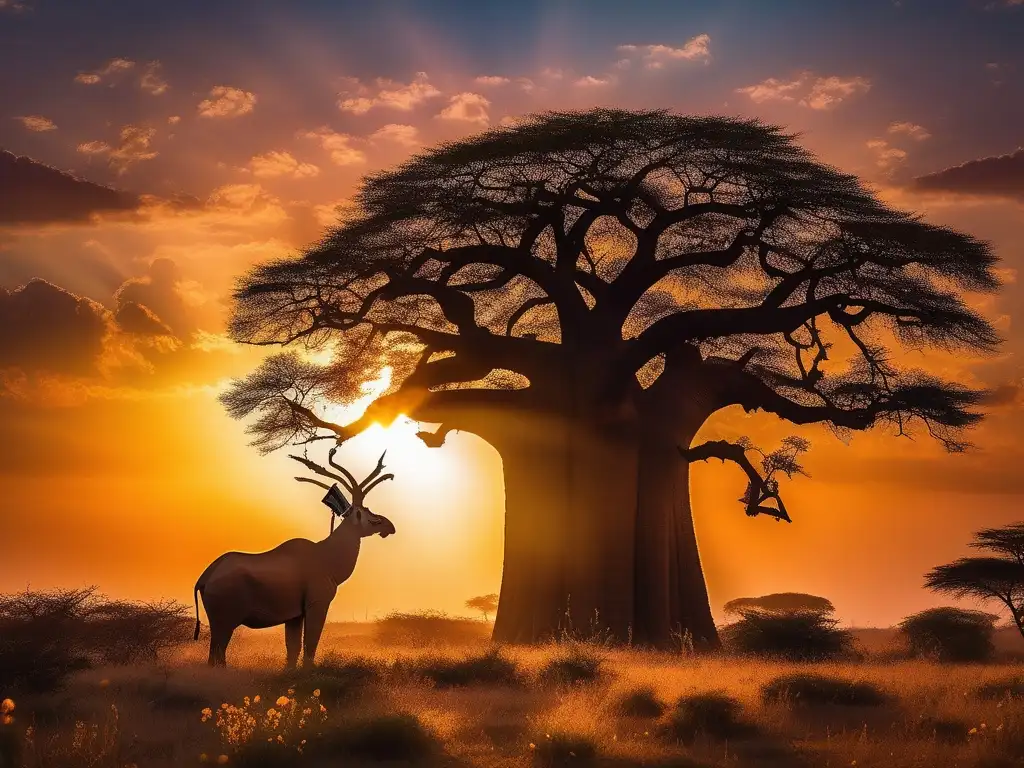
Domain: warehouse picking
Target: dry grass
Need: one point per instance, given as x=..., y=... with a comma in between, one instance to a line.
x=459, y=706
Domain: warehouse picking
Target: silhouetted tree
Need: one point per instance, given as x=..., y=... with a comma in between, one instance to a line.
x=583, y=290
x=486, y=604
x=780, y=603
x=950, y=634
x=994, y=577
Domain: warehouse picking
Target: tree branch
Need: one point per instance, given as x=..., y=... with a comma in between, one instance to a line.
x=759, y=489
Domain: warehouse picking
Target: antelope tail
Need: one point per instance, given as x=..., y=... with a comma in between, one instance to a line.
x=195, y=635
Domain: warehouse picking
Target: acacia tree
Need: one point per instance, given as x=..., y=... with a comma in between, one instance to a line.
x=583, y=290
x=997, y=576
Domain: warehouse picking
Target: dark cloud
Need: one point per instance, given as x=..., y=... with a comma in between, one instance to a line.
x=139, y=319
x=1006, y=394
x=33, y=193
x=997, y=176
x=44, y=328
x=159, y=293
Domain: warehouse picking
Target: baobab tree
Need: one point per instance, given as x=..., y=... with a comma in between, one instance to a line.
x=583, y=290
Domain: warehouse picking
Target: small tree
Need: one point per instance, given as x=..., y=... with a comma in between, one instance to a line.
x=793, y=636
x=486, y=604
x=999, y=576
x=950, y=634
x=780, y=603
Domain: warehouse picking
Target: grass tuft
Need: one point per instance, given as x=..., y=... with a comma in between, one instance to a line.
x=338, y=679
x=812, y=690
x=489, y=668
x=572, y=664
x=641, y=702
x=711, y=714
x=398, y=736
x=561, y=748
x=1007, y=688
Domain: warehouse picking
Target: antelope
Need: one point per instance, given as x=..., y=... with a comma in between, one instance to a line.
x=294, y=583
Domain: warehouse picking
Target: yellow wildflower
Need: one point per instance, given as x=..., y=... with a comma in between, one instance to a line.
x=307, y=711
x=104, y=683
x=282, y=701
x=280, y=739
x=271, y=712
x=225, y=705
x=316, y=693
x=203, y=758
x=8, y=719
x=256, y=699
x=222, y=760
x=322, y=709
x=972, y=731
x=7, y=706
x=291, y=691
x=246, y=700
x=532, y=745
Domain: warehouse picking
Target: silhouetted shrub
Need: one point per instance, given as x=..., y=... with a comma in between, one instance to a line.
x=813, y=690
x=942, y=730
x=711, y=714
x=639, y=702
x=47, y=635
x=383, y=737
x=950, y=634
x=338, y=679
x=559, y=748
x=425, y=628
x=780, y=603
x=797, y=636
x=489, y=668
x=572, y=664
x=1008, y=688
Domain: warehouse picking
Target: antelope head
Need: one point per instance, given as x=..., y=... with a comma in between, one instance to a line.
x=354, y=513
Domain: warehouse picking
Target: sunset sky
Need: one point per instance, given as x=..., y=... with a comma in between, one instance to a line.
x=153, y=151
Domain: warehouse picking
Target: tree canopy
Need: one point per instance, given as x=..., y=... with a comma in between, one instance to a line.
x=477, y=268
x=781, y=603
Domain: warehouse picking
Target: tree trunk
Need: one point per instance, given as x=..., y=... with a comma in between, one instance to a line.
x=598, y=537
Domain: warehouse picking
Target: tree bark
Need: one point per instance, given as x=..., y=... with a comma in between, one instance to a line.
x=599, y=539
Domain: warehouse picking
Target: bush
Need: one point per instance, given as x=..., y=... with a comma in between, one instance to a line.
x=1008, y=688
x=383, y=737
x=797, y=636
x=813, y=690
x=489, y=668
x=639, y=702
x=45, y=636
x=572, y=664
x=942, y=730
x=425, y=628
x=337, y=679
x=950, y=634
x=713, y=714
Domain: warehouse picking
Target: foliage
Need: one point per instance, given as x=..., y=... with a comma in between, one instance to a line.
x=950, y=634
x=486, y=604
x=572, y=664
x=287, y=724
x=998, y=577
x=639, y=702
x=1008, y=688
x=712, y=714
x=814, y=690
x=425, y=628
x=47, y=635
x=338, y=679
x=780, y=602
x=394, y=737
x=795, y=636
x=562, y=748
x=491, y=667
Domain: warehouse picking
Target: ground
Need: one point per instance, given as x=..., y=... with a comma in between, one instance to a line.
x=555, y=705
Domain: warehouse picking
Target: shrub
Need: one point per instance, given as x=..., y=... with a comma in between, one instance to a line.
x=382, y=737
x=336, y=678
x=45, y=636
x=780, y=602
x=564, y=749
x=713, y=714
x=639, y=702
x=950, y=634
x=1008, y=688
x=425, y=628
x=489, y=668
x=797, y=636
x=812, y=690
x=942, y=730
x=572, y=664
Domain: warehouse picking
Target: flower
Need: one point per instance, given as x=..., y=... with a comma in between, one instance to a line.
x=271, y=712
x=972, y=731
x=256, y=699
x=246, y=700
x=222, y=760
x=8, y=720
x=282, y=701
x=316, y=693
x=203, y=758
x=7, y=706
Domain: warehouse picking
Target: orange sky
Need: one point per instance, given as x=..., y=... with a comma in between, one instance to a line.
x=118, y=467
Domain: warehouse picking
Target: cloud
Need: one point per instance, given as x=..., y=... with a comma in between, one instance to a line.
x=996, y=176
x=225, y=101
x=111, y=70
x=815, y=92
x=159, y=293
x=174, y=119
x=406, y=135
x=526, y=84
x=37, y=123
x=469, y=107
x=886, y=156
x=44, y=328
x=914, y=131
x=273, y=164
x=14, y=5
x=589, y=81
x=33, y=193
x=338, y=144
x=132, y=148
x=152, y=82
x=132, y=317
x=656, y=56
x=389, y=94
x=1008, y=394
x=491, y=80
